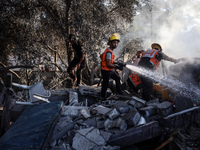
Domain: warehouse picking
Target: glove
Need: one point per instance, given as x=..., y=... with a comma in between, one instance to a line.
x=121, y=63
x=120, y=67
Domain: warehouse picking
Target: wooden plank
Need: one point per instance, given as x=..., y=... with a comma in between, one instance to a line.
x=31, y=129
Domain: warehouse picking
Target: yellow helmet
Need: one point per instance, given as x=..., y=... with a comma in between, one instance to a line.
x=114, y=37
x=156, y=46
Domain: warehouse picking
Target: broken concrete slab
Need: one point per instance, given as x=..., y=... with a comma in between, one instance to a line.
x=72, y=111
x=141, y=121
x=122, y=107
x=59, y=95
x=58, y=134
x=85, y=131
x=102, y=109
x=113, y=113
x=165, y=108
x=136, y=104
x=96, y=137
x=87, y=90
x=73, y=97
x=148, y=111
x=92, y=91
x=88, y=139
x=80, y=142
x=100, y=124
x=97, y=122
x=139, y=100
x=105, y=135
x=132, y=118
x=153, y=102
x=91, y=122
x=119, y=122
x=85, y=113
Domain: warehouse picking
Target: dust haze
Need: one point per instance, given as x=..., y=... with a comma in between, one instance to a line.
x=172, y=23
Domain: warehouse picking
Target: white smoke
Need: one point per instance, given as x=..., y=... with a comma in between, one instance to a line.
x=172, y=23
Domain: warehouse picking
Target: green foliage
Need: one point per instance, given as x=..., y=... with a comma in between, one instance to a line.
x=32, y=30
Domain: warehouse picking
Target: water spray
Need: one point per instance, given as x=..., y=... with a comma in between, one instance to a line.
x=190, y=91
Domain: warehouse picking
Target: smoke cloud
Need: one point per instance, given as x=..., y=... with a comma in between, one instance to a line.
x=173, y=24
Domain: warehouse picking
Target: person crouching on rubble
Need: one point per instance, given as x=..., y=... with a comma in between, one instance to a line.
x=133, y=80
x=78, y=61
x=107, y=66
x=150, y=61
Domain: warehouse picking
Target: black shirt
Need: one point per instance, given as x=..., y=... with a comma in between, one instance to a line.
x=78, y=50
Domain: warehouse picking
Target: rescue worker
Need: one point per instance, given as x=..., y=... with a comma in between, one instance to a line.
x=78, y=60
x=107, y=66
x=136, y=58
x=133, y=80
x=150, y=61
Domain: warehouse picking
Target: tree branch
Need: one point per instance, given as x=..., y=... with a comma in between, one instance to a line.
x=54, y=17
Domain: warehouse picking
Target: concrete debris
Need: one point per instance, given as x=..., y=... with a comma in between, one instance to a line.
x=122, y=107
x=72, y=111
x=165, y=108
x=141, y=121
x=85, y=112
x=136, y=103
x=148, y=111
x=139, y=100
x=113, y=124
x=113, y=113
x=88, y=139
x=92, y=91
x=132, y=118
x=102, y=110
x=95, y=137
x=105, y=135
x=58, y=134
x=85, y=123
x=85, y=131
x=119, y=122
x=82, y=143
x=73, y=97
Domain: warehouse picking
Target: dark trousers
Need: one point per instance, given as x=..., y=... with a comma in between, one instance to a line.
x=71, y=67
x=147, y=88
x=106, y=75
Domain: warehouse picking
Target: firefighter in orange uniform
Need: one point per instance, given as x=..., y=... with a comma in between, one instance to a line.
x=133, y=80
x=107, y=66
x=150, y=61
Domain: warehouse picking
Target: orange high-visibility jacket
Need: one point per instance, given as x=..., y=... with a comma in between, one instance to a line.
x=135, y=79
x=152, y=55
x=103, y=60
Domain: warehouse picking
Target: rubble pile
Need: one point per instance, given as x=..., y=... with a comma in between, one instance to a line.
x=120, y=122
x=113, y=124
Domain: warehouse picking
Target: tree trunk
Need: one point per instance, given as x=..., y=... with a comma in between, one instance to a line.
x=68, y=5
